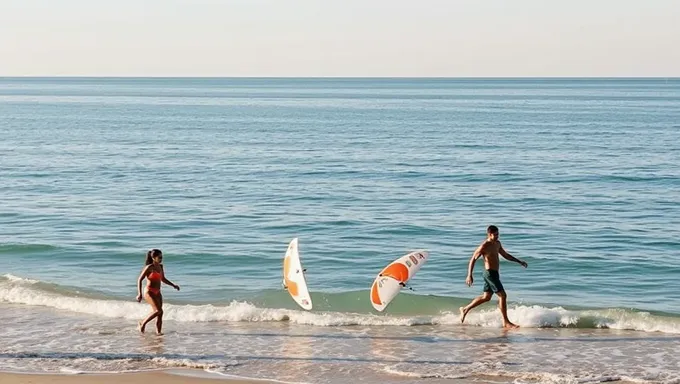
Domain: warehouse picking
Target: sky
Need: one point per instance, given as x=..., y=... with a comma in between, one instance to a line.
x=428, y=38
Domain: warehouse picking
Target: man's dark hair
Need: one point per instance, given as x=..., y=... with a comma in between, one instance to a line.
x=492, y=229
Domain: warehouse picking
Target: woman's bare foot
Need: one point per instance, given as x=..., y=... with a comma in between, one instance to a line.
x=140, y=327
x=158, y=333
x=510, y=325
x=463, y=313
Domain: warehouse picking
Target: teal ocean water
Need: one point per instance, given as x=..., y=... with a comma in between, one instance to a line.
x=581, y=176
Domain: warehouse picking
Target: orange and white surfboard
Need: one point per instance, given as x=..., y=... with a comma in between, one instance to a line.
x=294, y=277
x=392, y=278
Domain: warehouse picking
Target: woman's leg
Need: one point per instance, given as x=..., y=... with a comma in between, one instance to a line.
x=159, y=318
x=154, y=308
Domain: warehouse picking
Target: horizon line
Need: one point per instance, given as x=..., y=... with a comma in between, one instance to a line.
x=322, y=77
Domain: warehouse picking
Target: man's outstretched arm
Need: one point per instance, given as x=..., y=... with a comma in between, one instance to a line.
x=510, y=257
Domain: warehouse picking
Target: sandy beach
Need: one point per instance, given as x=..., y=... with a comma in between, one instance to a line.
x=130, y=378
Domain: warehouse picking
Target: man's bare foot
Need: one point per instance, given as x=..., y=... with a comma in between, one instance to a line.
x=140, y=327
x=158, y=333
x=510, y=325
x=463, y=313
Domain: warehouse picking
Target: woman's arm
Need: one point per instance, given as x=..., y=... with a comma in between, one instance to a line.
x=168, y=282
x=142, y=275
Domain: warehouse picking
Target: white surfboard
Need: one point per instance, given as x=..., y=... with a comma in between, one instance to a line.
x=394, y=276
x=294, y=277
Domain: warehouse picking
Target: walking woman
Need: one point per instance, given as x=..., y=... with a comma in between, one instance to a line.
x=154, y=274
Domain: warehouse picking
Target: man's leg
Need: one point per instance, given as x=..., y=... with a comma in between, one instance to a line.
x=479, y=300
x=503, y=306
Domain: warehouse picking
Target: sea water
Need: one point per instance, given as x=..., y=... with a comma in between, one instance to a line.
x=581, y=176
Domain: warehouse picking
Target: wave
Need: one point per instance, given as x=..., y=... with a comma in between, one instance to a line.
x=17, y=279
x=484, y=371
x=335, y=311
x=18, y=249
x=212, y=367
x=83, y=363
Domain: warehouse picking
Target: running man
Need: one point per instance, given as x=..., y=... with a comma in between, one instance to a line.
x=490, y=249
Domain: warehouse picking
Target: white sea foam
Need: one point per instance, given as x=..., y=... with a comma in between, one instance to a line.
x=237, y=377
x=18, y=279
x=557, y=317
x=424, y=375
x=484, y=370
x=18, y=290
x=89, y=365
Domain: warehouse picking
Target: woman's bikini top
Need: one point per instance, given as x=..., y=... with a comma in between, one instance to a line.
x=155, y=276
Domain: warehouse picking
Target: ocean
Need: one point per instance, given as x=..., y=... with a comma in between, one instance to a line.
x=582, y=177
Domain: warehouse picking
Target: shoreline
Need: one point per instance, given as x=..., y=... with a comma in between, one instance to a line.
x=167, y=376
x=172, y=376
